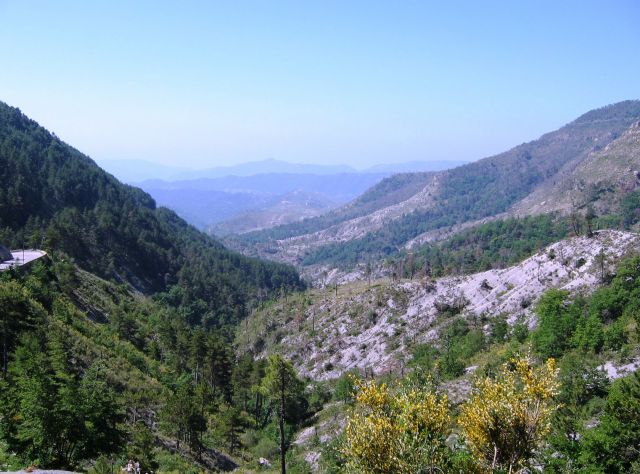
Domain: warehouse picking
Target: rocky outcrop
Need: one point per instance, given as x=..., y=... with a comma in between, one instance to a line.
x=370, y=328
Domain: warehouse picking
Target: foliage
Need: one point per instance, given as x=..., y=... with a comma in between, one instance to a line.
x=458, y=344
x=612, y=446
x=283, y=387
x=507, y=418
x=58, y=199
x=480, y=189
x=402, y=432
x=345, y=388
x=557, y=320
x=57, y=417
x=496, y=244
x=389, y=191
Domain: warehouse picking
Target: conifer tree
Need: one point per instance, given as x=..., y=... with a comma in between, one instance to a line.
x=282, y=386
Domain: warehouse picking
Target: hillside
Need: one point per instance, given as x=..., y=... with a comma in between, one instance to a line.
x=375, y=327
x=574, y=302
x=90, y=368
x=283, y=209
x=600, y=181
x=428, y=204
x=116, y=346
x=206, y=201
x=58, y=199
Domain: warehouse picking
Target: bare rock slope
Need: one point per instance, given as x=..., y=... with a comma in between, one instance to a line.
x=326, y=333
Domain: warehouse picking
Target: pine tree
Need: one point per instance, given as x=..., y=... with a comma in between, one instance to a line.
x=282, y=386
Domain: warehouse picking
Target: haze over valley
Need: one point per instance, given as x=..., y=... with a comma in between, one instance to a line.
x=334, y=238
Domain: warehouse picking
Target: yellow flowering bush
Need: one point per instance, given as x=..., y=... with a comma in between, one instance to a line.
x=507, y=418
x=401, y=432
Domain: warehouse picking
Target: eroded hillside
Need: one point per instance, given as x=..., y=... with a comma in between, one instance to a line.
x=596, y=152
x=600, y=180
x=373, y=327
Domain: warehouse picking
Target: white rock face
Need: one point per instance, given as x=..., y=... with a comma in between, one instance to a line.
x=368, y=329
x=617, y=371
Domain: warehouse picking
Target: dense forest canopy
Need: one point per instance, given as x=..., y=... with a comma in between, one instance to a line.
x=55, y=197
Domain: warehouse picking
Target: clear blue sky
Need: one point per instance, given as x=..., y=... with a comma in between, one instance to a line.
x=359, y=82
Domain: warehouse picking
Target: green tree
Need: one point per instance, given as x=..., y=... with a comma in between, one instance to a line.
x=283, y=387
x=557, y=320
x=18, y=313
x=181, y=417
x=589, y=335
x=612, y=446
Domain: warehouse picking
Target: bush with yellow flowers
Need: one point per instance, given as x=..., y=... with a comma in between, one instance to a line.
x=507, y=418
x=396, y=432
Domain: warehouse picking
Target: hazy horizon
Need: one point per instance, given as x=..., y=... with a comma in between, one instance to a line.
x=207, y=84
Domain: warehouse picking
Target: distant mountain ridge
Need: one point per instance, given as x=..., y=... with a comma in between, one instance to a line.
x=137, y=171
x=206, y=202
x=432, y=202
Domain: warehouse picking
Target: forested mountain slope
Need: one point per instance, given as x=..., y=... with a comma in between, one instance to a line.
x=55, y=197
x=390, y=191
x=467, y=194
x=92, y=372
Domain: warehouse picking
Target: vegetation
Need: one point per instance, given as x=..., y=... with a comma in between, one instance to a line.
x=403, y=432
x=58, y=199
x=506, y=419
x=389, y=191
x=562, y=415
x=282, y=386
x=484, y=188
x=90, y=368
x=96, y=372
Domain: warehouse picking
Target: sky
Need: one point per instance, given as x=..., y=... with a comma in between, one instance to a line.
x=210, y=83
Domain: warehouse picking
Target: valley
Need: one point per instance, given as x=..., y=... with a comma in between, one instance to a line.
x=432, y=206
x=319, y=237
x=177, y=343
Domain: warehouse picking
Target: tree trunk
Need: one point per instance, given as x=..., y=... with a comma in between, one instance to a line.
x=282, y=447
x=5, y=359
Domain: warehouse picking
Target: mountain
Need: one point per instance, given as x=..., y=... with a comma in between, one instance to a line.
x=256, y=190
x=59, y=199
x=204, y=202
x=601, y=180
x=427, y=204
x=290, y=207
x=267, y=166
x=134, y=171
x=572, y=307
x=116, y=345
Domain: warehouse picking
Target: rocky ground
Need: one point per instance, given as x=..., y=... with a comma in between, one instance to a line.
x=370, y=327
